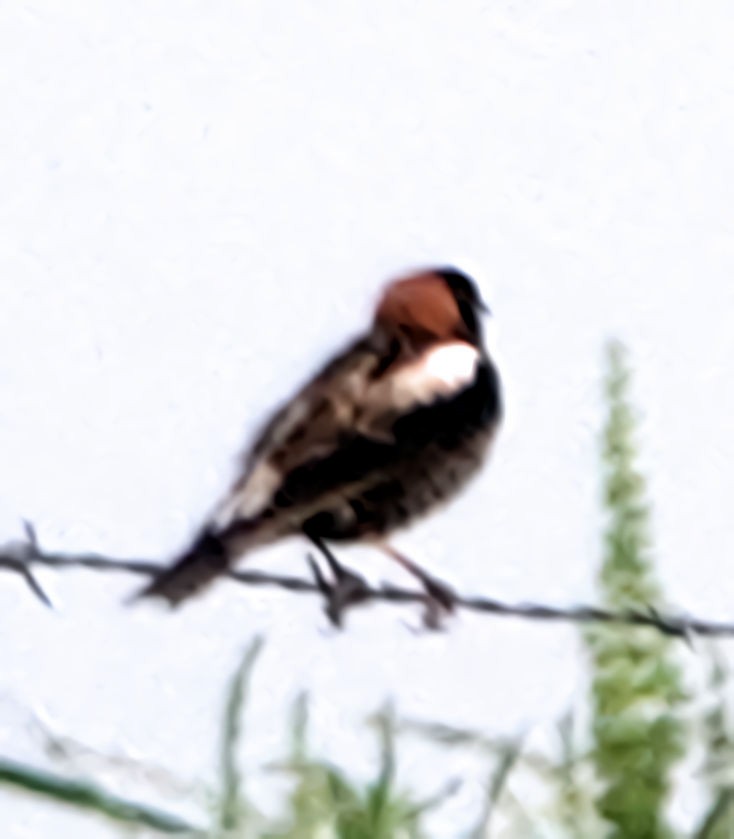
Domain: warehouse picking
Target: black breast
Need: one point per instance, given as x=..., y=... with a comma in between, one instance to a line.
x=369, y=487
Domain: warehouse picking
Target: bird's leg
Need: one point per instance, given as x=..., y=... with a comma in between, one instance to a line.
x=439, y=594
x=348, y=588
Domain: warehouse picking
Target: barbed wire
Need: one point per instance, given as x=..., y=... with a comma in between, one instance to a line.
x=21, y=557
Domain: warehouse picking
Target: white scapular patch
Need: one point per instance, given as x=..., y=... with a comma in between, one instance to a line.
x=442, y=371
x=251, y=499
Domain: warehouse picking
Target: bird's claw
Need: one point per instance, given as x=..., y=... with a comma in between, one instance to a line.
x=442, y=593
x=440, y=601
x=347, y=589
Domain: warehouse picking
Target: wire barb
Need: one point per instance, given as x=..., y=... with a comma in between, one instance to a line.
x=18, y=557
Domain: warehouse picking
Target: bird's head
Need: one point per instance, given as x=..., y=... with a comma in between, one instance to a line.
x=439, y=304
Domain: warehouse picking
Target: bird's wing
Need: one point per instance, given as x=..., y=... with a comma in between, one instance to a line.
x=351, y=404
x=310, y=426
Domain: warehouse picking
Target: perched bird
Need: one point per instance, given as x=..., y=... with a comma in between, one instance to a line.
x=391, y=427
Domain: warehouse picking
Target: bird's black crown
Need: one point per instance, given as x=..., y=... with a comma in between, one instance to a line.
x=468, y=298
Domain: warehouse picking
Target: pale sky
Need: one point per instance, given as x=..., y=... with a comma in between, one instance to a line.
x=200, y=202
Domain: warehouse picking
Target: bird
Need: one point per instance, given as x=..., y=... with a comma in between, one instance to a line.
x=389, y=429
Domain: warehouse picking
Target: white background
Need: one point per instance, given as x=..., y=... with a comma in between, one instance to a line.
x=200, y=201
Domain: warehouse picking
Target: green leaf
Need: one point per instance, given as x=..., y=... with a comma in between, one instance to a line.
x=88, y=796
x=232, y=806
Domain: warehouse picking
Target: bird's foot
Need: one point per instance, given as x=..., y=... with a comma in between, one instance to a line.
x=439, y=598
x=440, y=601
x=346, y=590
x=440, y=592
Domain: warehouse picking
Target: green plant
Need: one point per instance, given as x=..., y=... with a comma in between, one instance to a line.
x=637, y=685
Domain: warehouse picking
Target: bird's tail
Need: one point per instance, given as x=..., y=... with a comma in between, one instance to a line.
x=210, y=556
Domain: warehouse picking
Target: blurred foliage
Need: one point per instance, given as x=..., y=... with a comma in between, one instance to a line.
x=232, y=807
x=88, y=796
x=610, y=776
x=718, y=821
x=326, y=802
x=637, y=685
